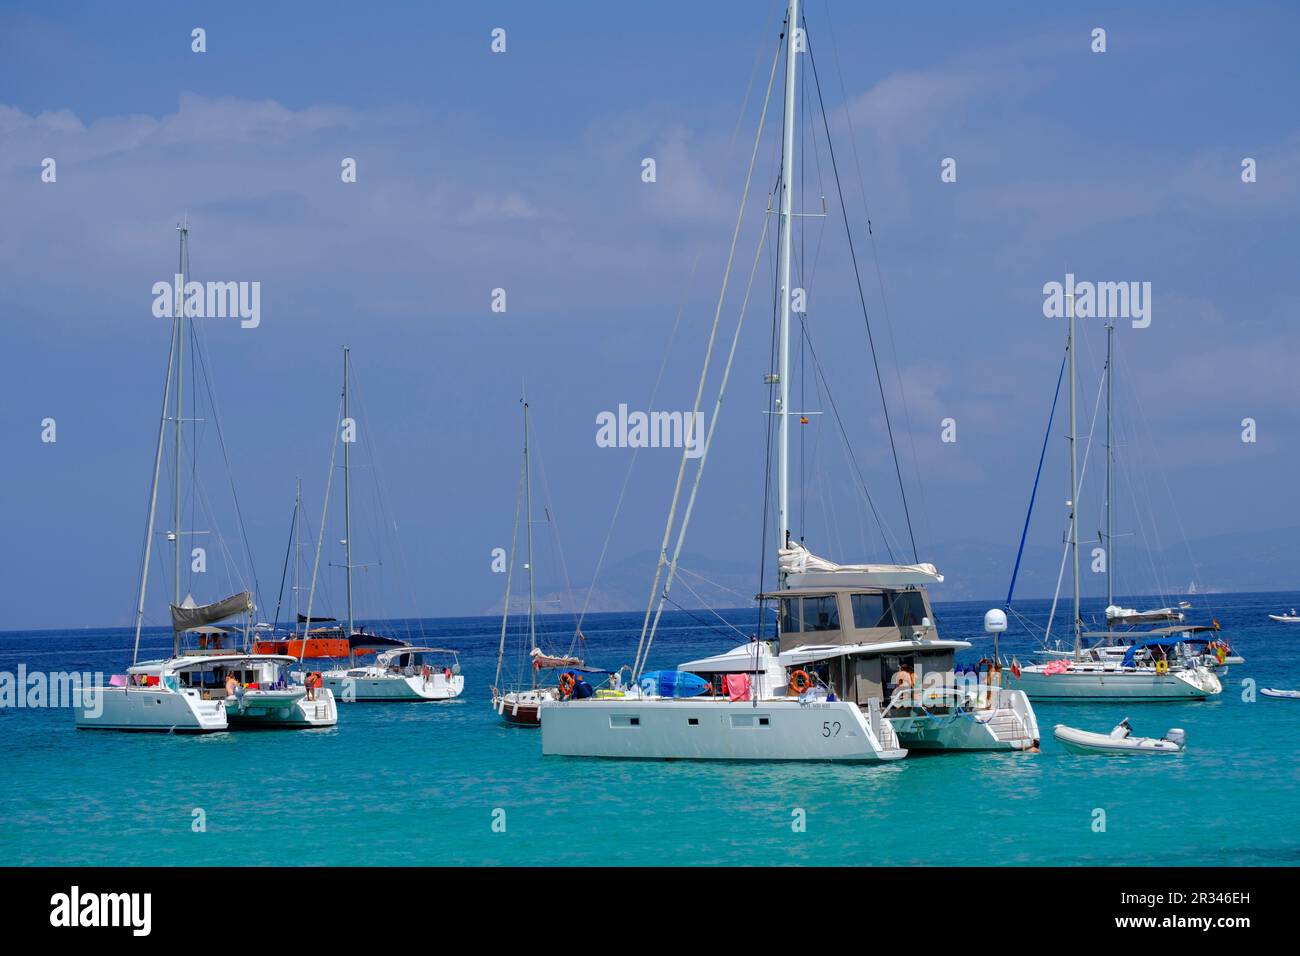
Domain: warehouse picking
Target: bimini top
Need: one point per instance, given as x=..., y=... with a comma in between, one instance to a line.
x=810, y=653
x=800, y=568
x=752, y=657
x=1169, y=641
x=387, y=656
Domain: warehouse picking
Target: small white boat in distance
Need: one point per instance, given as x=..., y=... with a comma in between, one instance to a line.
x=1119, y=741
x=1292, y=618
x=1281, y=694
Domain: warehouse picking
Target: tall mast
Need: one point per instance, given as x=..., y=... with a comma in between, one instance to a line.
x=528, y=521
x=297, y=547
x=1074, y=481
x=783, y=359
x=1110, y=457
x=153, y=491
x=347, y=494
x=183, y=270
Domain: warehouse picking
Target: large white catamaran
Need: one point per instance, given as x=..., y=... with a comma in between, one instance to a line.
x=822, y=690
x=209, y=683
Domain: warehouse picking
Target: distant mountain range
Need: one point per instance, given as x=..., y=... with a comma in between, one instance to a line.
x=973, y=570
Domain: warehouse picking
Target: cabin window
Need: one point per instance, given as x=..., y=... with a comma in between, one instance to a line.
x=909, y=608
x=820, y=614
x=693, y=721
x=870, y=610
x=789, y=615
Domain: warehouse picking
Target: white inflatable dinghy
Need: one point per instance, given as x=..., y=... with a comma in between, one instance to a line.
x=1119, y=741
x=1285, y=694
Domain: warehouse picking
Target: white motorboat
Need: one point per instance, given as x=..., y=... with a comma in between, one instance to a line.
x=400, y=674
x=1292, y=618
x=1119, y=741
x=1281, y=694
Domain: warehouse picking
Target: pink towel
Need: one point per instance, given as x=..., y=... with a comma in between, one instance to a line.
x=736, y=686
x=117, y=680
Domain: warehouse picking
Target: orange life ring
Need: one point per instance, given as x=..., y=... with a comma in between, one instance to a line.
x=800, y=681
x=566, y=684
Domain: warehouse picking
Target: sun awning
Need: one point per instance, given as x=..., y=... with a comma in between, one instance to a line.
x=190, y=615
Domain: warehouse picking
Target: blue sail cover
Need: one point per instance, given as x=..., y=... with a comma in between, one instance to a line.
x=1169, y=641
x=673, y=684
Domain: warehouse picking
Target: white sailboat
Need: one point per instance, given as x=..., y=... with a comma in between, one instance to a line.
x=820, y=692
x=214, y=685
x=1152, y=665
x=401, y=671
x=520, y=705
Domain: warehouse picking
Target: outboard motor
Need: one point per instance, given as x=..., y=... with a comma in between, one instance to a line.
x=1177, y=735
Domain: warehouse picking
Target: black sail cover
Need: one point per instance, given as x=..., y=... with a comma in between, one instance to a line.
x=188, y=615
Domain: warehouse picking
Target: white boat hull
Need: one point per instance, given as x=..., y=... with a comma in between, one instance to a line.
x=714, y=729
x=1281, y=694
x=350, y=687
x=1106, y=683
x=1086, y=742
x=1010, y=725
x=1284, y=618
x=282, y=709
x=154, y=709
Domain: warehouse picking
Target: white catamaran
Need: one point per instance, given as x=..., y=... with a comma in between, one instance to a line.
x=821, y=690
x=214, y=685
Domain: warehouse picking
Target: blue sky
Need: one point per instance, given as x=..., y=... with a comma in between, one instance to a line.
x=522, y=170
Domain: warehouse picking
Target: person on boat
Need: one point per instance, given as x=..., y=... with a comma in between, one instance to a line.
x=904, y=679
x=233, y=688
x=581, y=689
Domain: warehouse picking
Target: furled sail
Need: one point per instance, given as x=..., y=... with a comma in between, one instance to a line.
x=1127, y=615
x=802, y=568
x=190, y=615
x=541, y=661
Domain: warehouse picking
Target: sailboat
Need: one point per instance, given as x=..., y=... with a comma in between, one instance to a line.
x=1125, y=627
x=211, y=684
x=845, y=633
x=401, y=671
x=521, y=705
x=1156, y=664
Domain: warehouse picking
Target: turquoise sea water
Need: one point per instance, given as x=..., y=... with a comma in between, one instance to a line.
x=421, y=784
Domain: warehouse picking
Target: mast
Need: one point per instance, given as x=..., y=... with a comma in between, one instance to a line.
x=1074, y=481
x=297, y=550
x=783, y=345
x=1110, y=457
x=510, y=573
x=528, y=521
x=153, y=491
x=347, y=496
x=182, y=270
